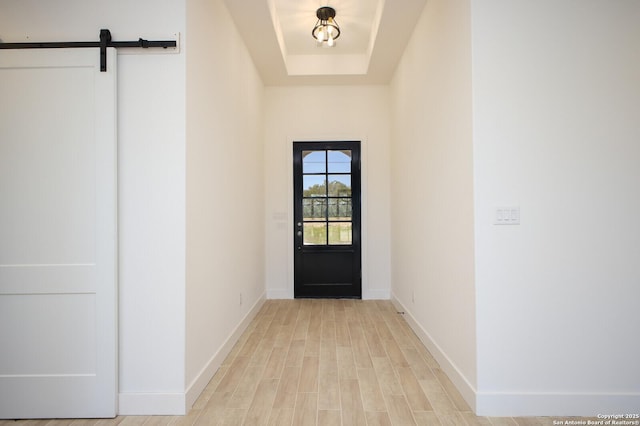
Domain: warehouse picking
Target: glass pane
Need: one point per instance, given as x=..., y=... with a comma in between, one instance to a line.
x=314, y=209
x=340, y=185
x=340, y=161
x=315, y=234
x=314, y=186
x=340, y=233
x=313, y=161
x=340, y=209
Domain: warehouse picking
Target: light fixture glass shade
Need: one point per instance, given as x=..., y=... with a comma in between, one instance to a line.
x=326, y=30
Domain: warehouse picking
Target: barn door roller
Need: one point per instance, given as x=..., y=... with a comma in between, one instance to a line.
x=105, y=41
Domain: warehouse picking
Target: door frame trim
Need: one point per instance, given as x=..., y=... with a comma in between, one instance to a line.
x=367, y=294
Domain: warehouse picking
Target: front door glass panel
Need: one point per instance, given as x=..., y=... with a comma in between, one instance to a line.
x=314, y=162
x=339, y=161
x=326, y=208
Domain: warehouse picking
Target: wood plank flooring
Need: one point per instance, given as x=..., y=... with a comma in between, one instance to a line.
x=322, y=362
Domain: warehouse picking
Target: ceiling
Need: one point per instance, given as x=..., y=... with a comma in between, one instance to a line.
x=373, y=36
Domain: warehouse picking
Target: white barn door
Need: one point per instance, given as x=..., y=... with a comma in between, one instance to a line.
x=58, y=235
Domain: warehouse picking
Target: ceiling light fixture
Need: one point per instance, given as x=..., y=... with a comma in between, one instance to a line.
x=326, y=30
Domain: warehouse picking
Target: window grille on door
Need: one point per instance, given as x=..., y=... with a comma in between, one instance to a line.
x=327, y=198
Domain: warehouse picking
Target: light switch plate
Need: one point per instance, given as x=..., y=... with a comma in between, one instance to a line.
x=507, y=216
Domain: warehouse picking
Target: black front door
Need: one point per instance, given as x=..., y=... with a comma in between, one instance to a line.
x=326, y=184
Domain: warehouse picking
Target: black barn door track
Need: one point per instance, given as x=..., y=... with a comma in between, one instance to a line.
x=105, y=41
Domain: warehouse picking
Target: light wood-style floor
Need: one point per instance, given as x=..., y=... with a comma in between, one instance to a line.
x=323, y=362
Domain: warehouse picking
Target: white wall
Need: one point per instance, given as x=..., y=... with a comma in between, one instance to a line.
x=225, y=225
x=556, y=91
x=432, y=185
x=151, y=134
x=356, y=113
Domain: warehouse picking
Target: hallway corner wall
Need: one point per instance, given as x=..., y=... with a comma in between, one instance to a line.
x=556, y=90
x=224, y=191
x=432, y=248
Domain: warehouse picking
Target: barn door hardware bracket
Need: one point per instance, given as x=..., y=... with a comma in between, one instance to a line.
x=105, y=41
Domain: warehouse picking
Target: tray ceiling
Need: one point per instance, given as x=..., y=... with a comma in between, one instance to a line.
x=278, y=36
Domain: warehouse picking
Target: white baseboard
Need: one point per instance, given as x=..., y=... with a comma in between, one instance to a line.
x=522, y=404
x=196, y=387
x=555, y=404
x=465, y=388
x=177, y=404
x=279, y=293
x=366, y=294
x=151, y=404
x=376, y=294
